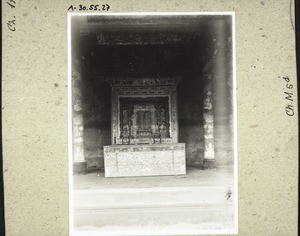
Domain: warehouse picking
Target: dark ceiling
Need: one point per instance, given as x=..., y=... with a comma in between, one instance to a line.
x=146, y=46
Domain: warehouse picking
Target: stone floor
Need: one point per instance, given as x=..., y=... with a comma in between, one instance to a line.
x=198, y=202
x=223, y=175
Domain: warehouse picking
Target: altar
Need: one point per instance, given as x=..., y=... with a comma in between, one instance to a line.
x=144, y=160
x=144, y=130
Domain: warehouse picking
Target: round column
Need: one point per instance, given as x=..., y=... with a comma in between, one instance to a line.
x=79, y=162
x=208, y=125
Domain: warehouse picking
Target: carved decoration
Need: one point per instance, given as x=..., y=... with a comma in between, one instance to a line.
x=121, y=82
x=208, y=119
x=160, y=100
x=141, y=39
x=77, y=119
x=144, y=117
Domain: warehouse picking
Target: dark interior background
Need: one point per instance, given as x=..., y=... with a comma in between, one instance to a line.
x=156, y=46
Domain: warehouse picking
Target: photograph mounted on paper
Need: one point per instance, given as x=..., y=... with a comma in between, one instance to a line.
x=152, y=124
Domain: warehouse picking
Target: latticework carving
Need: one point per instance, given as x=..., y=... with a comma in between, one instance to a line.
x=159, y=93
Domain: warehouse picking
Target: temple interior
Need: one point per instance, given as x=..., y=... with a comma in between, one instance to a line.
x=152, y=101
x=162, y=82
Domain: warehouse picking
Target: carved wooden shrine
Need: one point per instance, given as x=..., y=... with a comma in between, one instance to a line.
x=144, y=128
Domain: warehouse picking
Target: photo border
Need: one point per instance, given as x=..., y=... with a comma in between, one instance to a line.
x=70, y=133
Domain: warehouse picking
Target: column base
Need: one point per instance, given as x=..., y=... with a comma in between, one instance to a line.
x=79, y=168
x=209, y=163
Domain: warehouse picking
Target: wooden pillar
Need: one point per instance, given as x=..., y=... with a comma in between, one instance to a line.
x=79, y=163
x=208, y=123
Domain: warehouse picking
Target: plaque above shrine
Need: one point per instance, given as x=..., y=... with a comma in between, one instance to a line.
x=137, y=82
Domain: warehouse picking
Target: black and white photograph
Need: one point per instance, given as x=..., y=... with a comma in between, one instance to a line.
x=152, y=123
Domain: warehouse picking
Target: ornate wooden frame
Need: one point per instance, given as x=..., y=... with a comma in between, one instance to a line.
x=143, y=88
